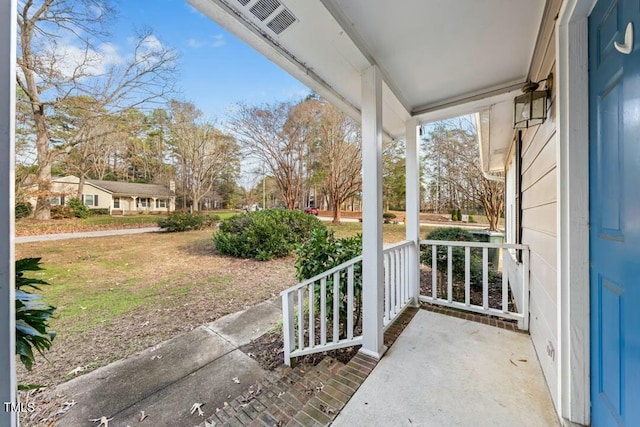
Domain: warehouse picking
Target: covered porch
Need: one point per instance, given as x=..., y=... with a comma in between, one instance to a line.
x=444, y=370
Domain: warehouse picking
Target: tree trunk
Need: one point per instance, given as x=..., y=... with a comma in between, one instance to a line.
x=336, y=213
x=80, y=187
x=43, y=203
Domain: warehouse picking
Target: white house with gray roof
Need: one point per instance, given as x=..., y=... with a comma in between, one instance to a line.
x=120, y=198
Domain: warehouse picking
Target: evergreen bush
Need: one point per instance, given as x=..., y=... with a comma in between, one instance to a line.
x=322, y=252
x=62, y=212
x=266, y=234
x=182, y=221
x=23, y=210
x=80, y=210
x=457, y=254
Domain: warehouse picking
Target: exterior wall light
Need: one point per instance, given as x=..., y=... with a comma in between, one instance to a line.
x=530, y=108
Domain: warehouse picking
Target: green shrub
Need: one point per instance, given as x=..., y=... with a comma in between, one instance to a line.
x=471, y=219
x=32, y=314
x=457, y=254
x=459, y=215
x=454, y=215
x=388, y=215
x=23, y=210
x=182, y=221
x=264, y=235
x=80, y=210
x=98, y=212
x=211, y=220
x=62, y=212
x=321, y=253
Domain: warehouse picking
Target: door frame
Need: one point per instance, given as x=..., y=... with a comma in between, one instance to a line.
x=572, y=152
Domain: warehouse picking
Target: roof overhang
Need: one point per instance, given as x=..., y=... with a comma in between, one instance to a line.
x=437, y=57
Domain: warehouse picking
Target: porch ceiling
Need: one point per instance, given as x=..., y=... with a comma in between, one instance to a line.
x=435, y=55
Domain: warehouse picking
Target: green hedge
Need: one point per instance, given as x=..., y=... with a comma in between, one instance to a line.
x=264, y=235
x=23, y=210
x=182, y=221
x=457, y=254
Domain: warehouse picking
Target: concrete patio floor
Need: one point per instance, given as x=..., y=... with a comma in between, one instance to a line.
x=446, y=371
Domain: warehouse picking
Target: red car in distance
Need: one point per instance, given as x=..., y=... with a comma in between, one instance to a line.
x=312, y=211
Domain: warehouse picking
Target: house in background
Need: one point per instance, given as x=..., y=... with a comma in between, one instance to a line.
x=120, y=198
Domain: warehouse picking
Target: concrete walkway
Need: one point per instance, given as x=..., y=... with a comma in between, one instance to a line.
x=101, y=233
x=445, y=371
x=203, y=366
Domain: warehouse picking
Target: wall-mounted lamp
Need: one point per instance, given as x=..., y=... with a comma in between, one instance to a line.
x=530, y=108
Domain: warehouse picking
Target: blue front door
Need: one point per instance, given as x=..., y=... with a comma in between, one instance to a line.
x=614, y=168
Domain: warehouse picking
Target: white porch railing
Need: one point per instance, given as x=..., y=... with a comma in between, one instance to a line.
x=514, y=277
x=324, y=313
x=397, y=287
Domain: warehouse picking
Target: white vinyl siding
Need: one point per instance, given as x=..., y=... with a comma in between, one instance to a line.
x=539, y=215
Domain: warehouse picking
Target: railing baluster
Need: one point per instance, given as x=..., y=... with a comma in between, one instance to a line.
x=525, y=288
x=392, y=290
x=312, y=320
x=387, y=287
x=350, y=302
x=467, y=276
x=336, y=307
x=398, y=296
x=323, y=311
x=434, y=272
x=485, y=278
x=301, y=318
x=288, y=326
x=505, y=282
x=405, y=270
x=449, y=273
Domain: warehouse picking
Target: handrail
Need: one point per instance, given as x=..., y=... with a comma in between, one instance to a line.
x=397, y=246
x=322, y=275
x=474, y=244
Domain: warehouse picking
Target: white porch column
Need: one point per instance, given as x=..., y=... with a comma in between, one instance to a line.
x=412, y=217
x=372, y=262
x=8, y=384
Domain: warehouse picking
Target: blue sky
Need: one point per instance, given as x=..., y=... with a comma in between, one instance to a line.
x=216, y=70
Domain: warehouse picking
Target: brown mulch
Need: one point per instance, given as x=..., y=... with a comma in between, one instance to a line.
x=268, y=351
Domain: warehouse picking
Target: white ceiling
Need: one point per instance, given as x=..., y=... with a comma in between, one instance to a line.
x=435, y=55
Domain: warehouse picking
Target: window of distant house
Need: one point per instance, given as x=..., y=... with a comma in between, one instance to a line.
x=57, y=200
x=116, y=202
x=161, y=203
x=90, y=199
x=143, y=203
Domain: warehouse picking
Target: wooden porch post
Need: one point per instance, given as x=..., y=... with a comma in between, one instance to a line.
x=8, y=384
x=372, y=262
x=412, y=208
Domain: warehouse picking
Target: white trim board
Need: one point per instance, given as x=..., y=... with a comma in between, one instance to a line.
x=573, y=211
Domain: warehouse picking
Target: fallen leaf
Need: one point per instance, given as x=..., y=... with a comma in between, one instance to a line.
x=77, y=370
x=512, y=362
x=142, y=416
x=196, y=407
x=104, y=421
x=236, y=380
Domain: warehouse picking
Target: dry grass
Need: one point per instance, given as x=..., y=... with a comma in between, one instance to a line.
x=118, y=295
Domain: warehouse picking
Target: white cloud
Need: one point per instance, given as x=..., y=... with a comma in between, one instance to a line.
x=194, y=43
x=216, y=41
x=69, y=59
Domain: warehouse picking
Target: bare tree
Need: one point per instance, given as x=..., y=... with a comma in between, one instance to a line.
x=339, y=153
x=278, y=136
x=59, y=55
x=203, y=151
x=453, y=155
